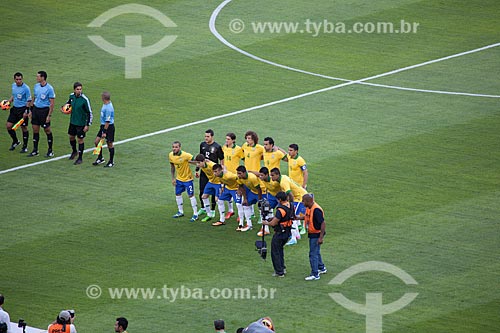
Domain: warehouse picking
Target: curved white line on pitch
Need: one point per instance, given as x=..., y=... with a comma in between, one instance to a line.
x=224, y=41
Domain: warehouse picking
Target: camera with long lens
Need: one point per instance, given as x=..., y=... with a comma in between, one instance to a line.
x=266, y=212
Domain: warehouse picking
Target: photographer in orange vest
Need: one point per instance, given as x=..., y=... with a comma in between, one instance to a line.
x=62, y=324
x=316, y=229
x=282, y=225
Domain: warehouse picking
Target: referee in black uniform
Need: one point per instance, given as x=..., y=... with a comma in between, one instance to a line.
x=212, y=151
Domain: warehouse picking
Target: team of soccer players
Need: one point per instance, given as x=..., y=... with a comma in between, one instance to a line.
x=244, y=176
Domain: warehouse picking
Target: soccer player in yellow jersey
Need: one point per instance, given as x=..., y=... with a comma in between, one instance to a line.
x=253, y=152
x=295, y=193
x=182, y=178
x=212, y=187
x=250, y=191
x=230, y=181
x=272, y=154
x=272, y=188
x=297, y=168
x=233, y=154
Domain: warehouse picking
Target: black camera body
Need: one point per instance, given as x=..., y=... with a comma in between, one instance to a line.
x=3, y=327
x=265, y=210
x=21, y=324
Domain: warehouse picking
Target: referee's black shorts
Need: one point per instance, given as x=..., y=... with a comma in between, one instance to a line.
x=110, y=133
x=17, y=114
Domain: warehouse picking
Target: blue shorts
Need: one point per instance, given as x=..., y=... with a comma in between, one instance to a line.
x=300, y=209
x=252, y=198
x=212, y=189
x=227, y=195
x=184, y=186
x=272, y=200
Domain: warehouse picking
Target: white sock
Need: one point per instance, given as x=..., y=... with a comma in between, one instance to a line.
x=230, y=208
x=241, y=214
x=194, y=204
x=180, y=205
x=206, y=205
x=222, y=207
x=247, y=210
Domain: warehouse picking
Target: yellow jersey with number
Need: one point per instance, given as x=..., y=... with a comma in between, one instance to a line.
x=296, y=168
x=181, y=163
x=272, y=159
x=232, y=157
x=253, y=156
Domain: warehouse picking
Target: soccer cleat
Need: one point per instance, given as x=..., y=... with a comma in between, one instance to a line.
x=50, y=153
x=278, y=275
x=194, y=218
x=246, y=228
x=177, y=215
x=323, y=271
x=33, y=153
x=218, y=223
x=206, y=218
x=73, y=155
x=302, y=230
x=23, y=150
x=109, y=165
x=78, y=161
x=202, y=211
x=99, y=161
x=239, y=228
x=312, y=278
x=228, y=215
x=292, y=241
x=14, y=145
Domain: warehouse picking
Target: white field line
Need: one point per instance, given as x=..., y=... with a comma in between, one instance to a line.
x=257, y=107
x=214, y=31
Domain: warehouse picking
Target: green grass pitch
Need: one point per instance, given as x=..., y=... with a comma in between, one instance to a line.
x=410, y=178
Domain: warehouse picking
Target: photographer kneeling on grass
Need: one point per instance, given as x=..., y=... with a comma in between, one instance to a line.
x=282, y=225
